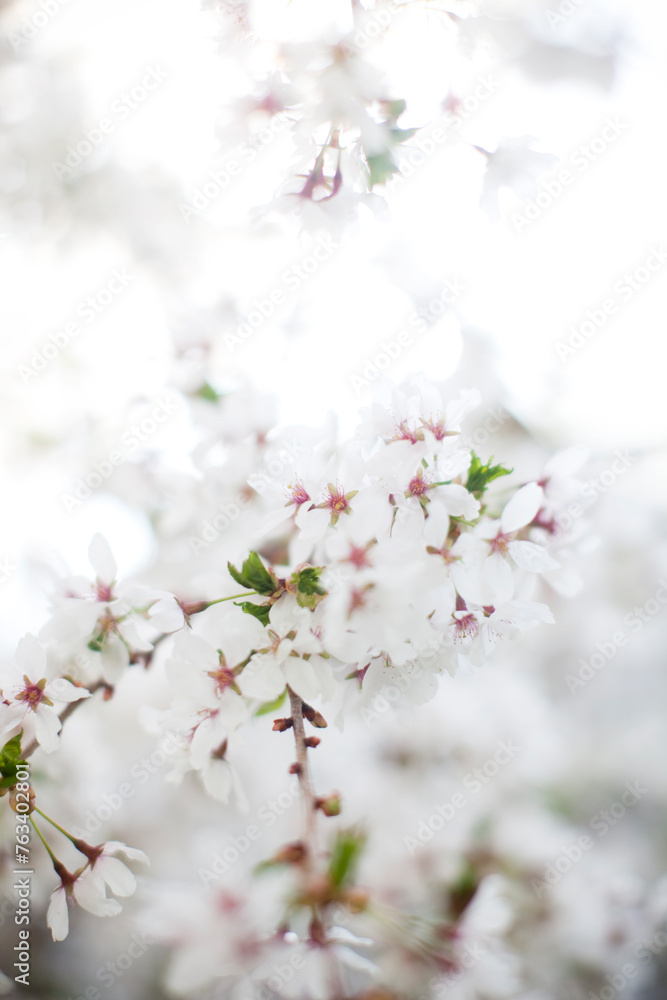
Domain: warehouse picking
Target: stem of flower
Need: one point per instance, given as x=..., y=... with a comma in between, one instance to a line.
x=53, y=823
x=54, y=859
x=246, y=593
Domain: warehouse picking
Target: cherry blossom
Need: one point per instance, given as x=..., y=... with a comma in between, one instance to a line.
x=31, y=699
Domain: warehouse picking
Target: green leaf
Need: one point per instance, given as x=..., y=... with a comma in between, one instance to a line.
x=402, y=134
x=344, y=856
x=464, y=889
x=207, y=392
x=396, y=109
x=480, y=475
x=255, y=576
x=381, y=168
x=306, y=582
x=10, y=760
x=272, y=706
x=12, y=749
x=259, y=611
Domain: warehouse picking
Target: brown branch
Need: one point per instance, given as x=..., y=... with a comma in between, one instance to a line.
x=303, y=773
x=65, y=714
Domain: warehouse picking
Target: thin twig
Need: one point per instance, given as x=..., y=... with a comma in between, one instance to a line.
x=65, y=714
x=296, y=705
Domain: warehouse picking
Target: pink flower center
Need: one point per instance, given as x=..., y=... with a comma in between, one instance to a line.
x=405, y=433
x=499, y=543
x=335, y=500
x=297, y=493
x=357, y=601
x=436, y=427
x=548, y=524
x=223, y=678
x=465, y=626
x=33, y=694
x=104, y=592
x=418, y=485
x=358, y=556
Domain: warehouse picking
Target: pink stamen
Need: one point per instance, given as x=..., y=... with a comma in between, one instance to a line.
x=499, y=543
x=336, y=500
x=466, y=627
x=405, y=433
x=418, y=485
x=297, y=493
x=104, y=591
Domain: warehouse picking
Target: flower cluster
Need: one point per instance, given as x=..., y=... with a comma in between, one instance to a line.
x=403, y=557
x=395, y=557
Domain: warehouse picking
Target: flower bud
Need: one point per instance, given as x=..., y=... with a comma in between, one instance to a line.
x=330, y=806
x=282, y=725
x=13, y=801
x=314, y=717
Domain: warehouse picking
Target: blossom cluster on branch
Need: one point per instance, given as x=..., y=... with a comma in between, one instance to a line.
x=398, y=556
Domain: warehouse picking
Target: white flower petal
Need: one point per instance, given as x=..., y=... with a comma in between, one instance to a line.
x=302, y=678
x=531, y=557
x=101, y=559
x=565, y=462
x=57, y=917
x=133, y=853
x=129, y=630
x=218, y=782
x=117, y=876
x=497, y=579
x=89, y=893
x=522, y=508
x=262, y=679
x=47, y=727
x=63, y=690
x=115, y=658
x=31, y=658
x=457, y=501
x=166, y=615
x=208, y=736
